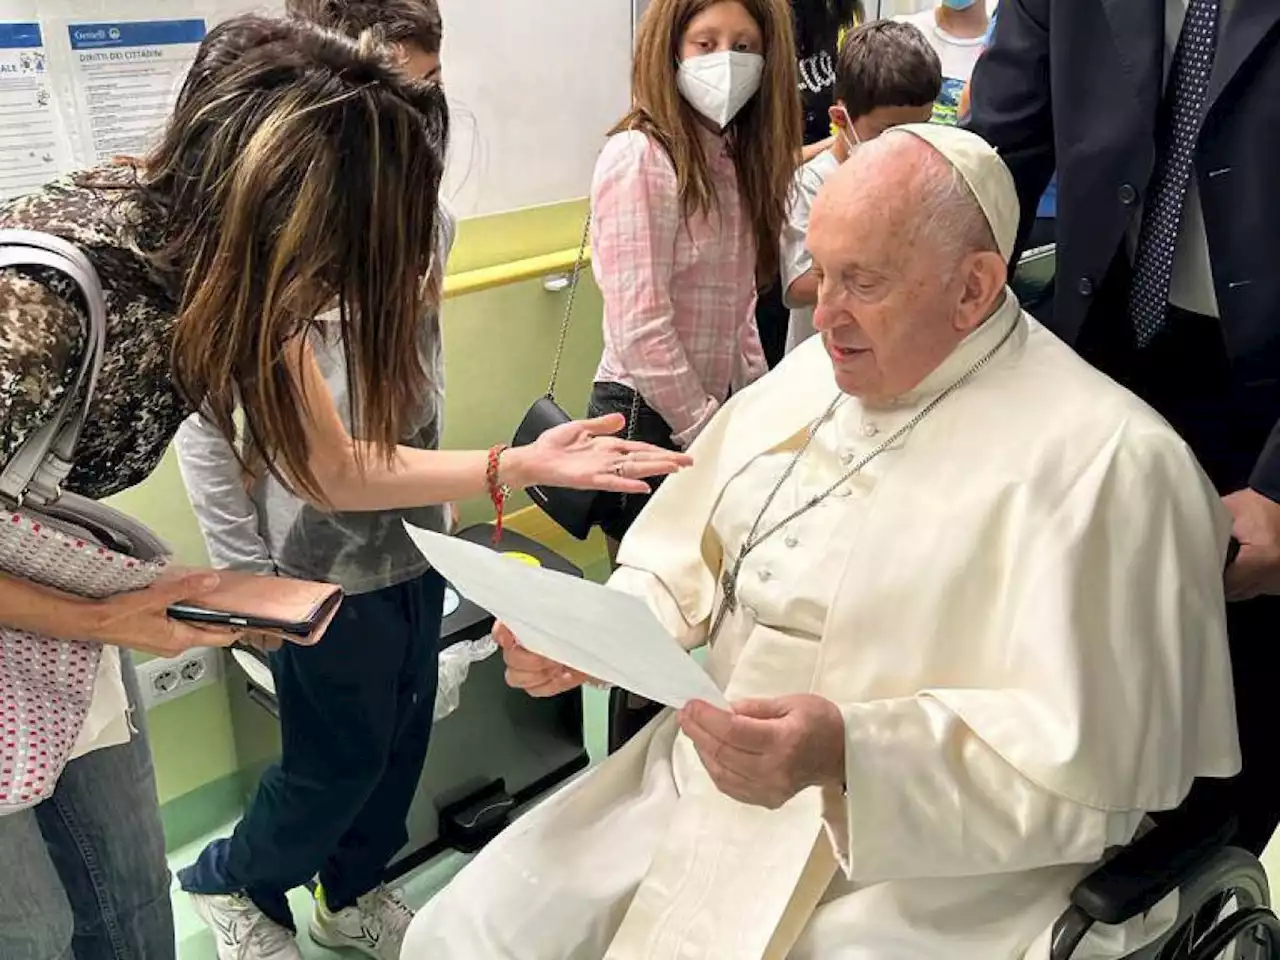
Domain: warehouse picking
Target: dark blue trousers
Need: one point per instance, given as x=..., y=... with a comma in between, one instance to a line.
x=355, y=718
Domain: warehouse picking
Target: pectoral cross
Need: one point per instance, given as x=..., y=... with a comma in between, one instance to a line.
x=729, y=578
x=729, y=603
x=729, y=585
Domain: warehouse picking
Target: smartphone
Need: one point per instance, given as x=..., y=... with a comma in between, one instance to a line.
x=296, y=610
x=295, y=629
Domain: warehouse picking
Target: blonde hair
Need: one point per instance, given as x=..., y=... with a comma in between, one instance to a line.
x=764, y=136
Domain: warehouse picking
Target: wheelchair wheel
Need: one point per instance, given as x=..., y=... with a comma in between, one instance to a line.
x=1227, y=913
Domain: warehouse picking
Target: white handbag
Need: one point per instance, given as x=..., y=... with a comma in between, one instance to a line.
x=59, y=540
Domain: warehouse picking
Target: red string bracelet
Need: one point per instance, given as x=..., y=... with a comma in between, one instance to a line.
x=497, y=490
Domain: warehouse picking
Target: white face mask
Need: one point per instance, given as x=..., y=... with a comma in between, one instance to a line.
x=718, y=85
x=847, y=130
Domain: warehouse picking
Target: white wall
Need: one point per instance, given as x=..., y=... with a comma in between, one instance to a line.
x=534, y=85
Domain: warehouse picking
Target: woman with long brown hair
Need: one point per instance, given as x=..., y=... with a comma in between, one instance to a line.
x=688, y=200
x=299, y=170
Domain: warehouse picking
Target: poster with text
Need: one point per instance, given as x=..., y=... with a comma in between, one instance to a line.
x=33, y=144
x=125, y=78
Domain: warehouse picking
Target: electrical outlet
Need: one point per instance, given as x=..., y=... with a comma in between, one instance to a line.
x=165, y=679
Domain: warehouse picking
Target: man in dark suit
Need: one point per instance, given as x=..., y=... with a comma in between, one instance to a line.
x=1162, y=118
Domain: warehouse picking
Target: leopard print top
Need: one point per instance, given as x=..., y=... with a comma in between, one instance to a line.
x=136, y=410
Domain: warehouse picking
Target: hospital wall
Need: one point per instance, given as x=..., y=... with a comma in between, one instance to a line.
x=499, y=345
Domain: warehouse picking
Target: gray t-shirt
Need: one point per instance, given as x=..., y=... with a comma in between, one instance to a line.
x=267, y=529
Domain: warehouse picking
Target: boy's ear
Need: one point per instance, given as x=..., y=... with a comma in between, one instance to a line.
x=838, y=114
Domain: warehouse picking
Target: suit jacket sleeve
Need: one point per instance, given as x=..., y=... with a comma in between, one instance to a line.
x=1011, y=104
x=1266, y=473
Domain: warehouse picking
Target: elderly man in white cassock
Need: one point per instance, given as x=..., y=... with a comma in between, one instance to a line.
x=964, y=594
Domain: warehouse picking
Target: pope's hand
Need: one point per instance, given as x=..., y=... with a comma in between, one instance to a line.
x=1256, y=570
x=767, y=751
x=532, y=673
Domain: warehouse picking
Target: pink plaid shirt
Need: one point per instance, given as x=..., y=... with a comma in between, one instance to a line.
x=679, y=296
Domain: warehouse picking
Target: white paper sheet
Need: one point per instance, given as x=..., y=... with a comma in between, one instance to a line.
x=603, y=633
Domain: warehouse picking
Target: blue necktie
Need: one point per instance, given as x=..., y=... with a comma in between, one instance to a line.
x=1181, y=115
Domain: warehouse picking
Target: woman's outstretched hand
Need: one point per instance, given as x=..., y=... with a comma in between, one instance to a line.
x=589, y=455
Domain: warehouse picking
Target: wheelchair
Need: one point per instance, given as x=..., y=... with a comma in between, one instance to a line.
x=1224, y=898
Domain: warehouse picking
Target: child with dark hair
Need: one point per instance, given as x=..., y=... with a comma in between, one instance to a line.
x=887, y=74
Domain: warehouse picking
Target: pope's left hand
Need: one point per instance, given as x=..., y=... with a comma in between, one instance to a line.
x=767, y=751
x=1256, y=570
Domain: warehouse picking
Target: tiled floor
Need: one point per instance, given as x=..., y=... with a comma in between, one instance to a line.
x=196, y=943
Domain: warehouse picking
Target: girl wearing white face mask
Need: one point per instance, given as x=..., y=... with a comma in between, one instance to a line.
x=688, y=197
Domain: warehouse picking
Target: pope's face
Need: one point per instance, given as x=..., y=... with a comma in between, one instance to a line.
x=884, y=307
x=892, y=302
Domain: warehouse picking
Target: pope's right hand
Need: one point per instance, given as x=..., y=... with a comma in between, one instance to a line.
x=531, y=672
x=139, y=620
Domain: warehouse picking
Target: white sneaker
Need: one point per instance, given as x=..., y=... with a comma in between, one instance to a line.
x=242, y=931
x=375, y=926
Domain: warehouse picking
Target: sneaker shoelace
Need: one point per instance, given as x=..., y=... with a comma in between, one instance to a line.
x=261, y=932
x=389, y=908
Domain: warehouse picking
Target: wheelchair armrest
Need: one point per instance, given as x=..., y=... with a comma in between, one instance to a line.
x=1149, y=869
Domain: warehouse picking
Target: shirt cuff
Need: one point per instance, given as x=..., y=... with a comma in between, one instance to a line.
x=684, y=439
x=262, y=565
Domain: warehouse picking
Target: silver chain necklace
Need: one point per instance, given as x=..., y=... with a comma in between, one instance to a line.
x=729, y=577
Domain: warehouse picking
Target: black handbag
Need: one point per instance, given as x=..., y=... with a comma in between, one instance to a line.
x=573, y=510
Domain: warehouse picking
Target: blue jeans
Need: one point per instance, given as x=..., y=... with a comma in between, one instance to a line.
x=83, y=874
x=355, y=719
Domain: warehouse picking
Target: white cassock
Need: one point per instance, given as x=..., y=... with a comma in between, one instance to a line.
x=1019, y=610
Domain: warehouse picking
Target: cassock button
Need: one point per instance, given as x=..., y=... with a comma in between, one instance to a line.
x=1128, y=195
x=870, y=429
x=846, y=458
x=1085, y=287
x=792, y=541
x=766, y=575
